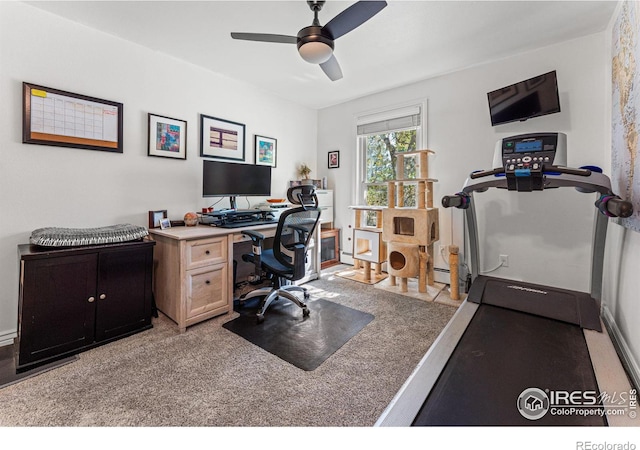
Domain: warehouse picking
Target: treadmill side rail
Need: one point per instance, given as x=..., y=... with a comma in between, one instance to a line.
x=404, y=407
x=610, y=374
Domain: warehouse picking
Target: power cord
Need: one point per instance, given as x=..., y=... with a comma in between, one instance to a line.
x=465, y=280
x=493, y=270
x=464, y=264
x=443, y=256
x=211, y=206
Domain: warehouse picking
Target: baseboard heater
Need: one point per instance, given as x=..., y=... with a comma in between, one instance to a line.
x=441, y=275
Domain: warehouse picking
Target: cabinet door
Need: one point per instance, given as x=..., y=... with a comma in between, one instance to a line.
x=57, y=306
x=123, y=292
x=206, y=289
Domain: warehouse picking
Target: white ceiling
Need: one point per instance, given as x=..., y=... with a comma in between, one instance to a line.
x=406, y=42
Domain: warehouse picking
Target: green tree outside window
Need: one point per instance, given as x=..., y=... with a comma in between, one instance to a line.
x=381, y=157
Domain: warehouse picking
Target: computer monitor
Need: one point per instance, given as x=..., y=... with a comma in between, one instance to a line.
x=225, y=179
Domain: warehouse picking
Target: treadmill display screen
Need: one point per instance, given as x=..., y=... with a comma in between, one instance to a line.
x=529, y=146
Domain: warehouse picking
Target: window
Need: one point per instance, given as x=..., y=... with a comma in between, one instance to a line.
x=380, y=138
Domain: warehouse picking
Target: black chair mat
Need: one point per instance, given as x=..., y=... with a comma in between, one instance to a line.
x=305, y=342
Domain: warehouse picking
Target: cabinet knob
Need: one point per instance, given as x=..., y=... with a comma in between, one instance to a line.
x=91, y=299
x=207, y=252
x=207, y=282
x=103, y=296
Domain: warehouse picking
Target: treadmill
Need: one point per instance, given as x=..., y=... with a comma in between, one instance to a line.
x=516, y=353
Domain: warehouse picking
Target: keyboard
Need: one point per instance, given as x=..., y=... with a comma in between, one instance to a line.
x=248, y=223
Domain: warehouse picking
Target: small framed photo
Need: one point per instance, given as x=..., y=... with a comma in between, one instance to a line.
x=167, y=137
x=334, y=159
x=221, y=139
x=266, y=151
x=165, y=223
x=155, y=217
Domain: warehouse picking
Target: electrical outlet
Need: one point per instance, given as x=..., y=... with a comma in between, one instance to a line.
x=504, y=260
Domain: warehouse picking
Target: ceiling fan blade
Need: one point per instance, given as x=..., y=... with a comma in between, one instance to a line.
x=332, y=68
x=277, y=38
x=352, y=17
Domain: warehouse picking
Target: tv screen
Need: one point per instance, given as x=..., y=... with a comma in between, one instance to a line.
x=232, y=179
x=534, y=97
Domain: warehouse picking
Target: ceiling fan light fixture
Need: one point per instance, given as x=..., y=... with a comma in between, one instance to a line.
x=315, y=42
x=315, y=52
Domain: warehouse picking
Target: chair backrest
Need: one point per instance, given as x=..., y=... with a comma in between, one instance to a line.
x=304, y=196
x=296, y=228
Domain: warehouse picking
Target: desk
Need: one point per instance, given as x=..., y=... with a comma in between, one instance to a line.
x=193, y=270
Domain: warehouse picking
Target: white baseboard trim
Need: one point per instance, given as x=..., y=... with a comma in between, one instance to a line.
x=346, y=258
x=7, y=337
x=628, y=360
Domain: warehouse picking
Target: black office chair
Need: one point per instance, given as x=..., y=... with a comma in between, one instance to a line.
x=285, y=263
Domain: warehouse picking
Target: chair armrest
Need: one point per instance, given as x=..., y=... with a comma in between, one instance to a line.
x=256, y=237
x=256, y=249
x=299, y=259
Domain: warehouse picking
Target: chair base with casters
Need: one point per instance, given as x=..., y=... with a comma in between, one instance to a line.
x=272, y=294
x=285, y=262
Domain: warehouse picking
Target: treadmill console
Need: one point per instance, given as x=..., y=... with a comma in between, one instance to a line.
x=525, y=156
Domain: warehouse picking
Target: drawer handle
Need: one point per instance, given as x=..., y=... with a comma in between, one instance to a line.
x=103, y=296
x=91, y=299
x=207, y=282
x=207, y=252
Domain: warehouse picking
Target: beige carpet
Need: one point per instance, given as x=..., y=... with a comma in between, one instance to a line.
x=209, y=376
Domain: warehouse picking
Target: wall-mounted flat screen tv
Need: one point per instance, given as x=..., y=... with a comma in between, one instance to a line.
x=534, y=97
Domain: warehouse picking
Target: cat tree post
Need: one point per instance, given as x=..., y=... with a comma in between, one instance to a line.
x=453, y=272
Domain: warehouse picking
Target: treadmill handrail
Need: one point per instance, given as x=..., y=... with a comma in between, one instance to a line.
x=595, y=181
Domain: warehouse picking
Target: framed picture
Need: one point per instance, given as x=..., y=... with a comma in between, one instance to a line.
x=221, y=139
x=63, y=119
x=167, y=137
x=266, y=151
x=155, y=217
x=334, y=159
x=165, y=223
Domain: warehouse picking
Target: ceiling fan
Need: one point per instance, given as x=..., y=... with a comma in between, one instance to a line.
x=315, y=42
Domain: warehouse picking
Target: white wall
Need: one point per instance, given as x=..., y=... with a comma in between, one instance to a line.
x=555, y=249
x=54, y=186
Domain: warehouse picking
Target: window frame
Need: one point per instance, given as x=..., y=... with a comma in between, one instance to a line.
x=379, y=115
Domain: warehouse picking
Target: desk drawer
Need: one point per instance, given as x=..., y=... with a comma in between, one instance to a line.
x=326, y=216
x=206, y=290
x=204, y=252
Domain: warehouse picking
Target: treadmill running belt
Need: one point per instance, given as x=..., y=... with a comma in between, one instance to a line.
x=502, y=353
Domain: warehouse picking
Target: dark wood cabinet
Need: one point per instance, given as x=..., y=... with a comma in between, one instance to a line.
x=72, y=299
